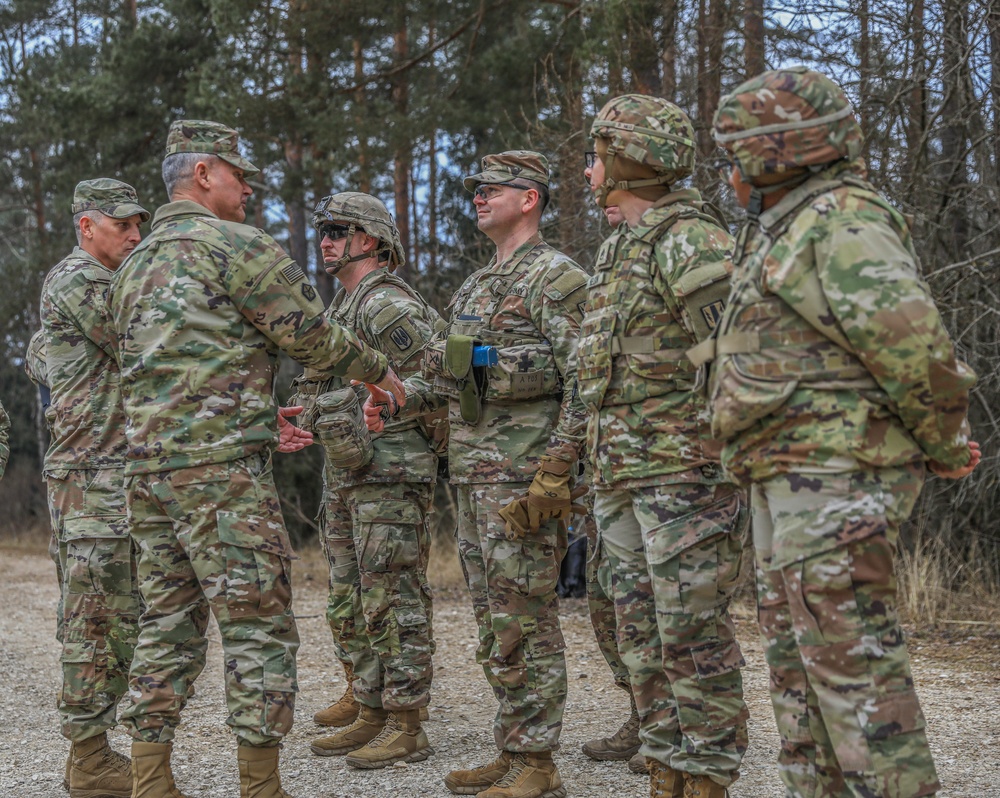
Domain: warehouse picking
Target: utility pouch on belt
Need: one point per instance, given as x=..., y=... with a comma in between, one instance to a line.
x=340, y=425
x=458, y=354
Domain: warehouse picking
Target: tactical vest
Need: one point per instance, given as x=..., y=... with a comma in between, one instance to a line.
x=525, y=366
x=632, y=342
x=765, y=349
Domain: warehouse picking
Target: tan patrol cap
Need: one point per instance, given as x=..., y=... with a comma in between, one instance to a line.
x=506, y=167
x=196, y=135
x=111, y=197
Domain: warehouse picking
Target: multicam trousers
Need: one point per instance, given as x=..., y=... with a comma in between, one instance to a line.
x=99, y=600
x=513, y=587
x=212, y=537
x=601, y=604
x=675, y=553
x=847, y=713
x=377, y=542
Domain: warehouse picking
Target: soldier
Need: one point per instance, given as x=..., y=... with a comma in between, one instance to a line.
x=84, y=473
x=670, y=523
x=507, y=369
x=4, y=440
x=834, y=387
x=374, y=514
x=202, y=308
x=624, y=743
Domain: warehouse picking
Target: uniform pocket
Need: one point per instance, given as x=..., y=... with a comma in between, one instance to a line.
x=389, y=536
x=257, y=552
x=98, y=555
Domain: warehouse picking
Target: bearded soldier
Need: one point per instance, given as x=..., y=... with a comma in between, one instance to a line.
x=85, y=476
x=669, y=520
x=834, y=387
x=376, y=497
x=506, y=367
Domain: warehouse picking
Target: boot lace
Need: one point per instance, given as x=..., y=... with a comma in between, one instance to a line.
x=390, y=730
x=517, y=766
x=117, y=761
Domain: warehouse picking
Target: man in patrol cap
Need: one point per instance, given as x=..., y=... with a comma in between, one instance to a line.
x=374, y=513
x=507, y=370
x=84, y=472
x=670, y=522
x=202, y=309
x=834, y=387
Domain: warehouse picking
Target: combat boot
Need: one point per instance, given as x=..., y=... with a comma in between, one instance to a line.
x=401, y=740
x=151, y=775
x=664, y=781
x=96, y=770
x=703, y=787
x=623, y=744
x=365, y=729
x=345, y=711
x=259, y=772
x=531, y=775
x=637, y=764
x=475, y=780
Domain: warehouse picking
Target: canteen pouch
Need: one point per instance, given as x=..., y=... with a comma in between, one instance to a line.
x=458, y=355
x=340, y=426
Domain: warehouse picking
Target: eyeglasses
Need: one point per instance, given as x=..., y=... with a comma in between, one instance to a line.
x=333, y=231
x=487, y=192
x=589, y=159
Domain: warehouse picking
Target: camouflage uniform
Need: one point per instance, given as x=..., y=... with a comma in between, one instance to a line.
x=4, y=440
x=671, y=523
x=379, y=606
x=202, y=308
x=84, y=472
x=834, y=380
x=529, y=308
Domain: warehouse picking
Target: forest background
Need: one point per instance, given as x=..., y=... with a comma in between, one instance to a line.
x=401, y=98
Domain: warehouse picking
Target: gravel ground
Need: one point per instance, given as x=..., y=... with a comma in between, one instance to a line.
x=958, y=681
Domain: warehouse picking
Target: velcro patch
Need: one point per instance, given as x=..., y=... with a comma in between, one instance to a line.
x=293, y=273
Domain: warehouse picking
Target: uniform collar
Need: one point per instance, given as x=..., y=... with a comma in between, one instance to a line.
x=180, y=209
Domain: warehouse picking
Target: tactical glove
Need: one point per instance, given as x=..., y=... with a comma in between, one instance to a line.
x=549, y=497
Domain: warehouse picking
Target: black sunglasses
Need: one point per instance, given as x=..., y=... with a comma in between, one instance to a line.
x=333, y=231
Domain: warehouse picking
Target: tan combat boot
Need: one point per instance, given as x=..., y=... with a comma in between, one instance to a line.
x=623, y=744
x=345, y=711
x=151, y=775
x=475, y=780
x=401, y=740
x=531, y=775
x=259, y=772
x=365, y=729
x=637, y=764
x=96, y=770
x=664, y=781
x=703, y=787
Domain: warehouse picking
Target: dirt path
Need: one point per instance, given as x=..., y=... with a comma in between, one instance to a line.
x=958, y=683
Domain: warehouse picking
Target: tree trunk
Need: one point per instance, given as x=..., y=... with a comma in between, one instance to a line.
x=364, y=180
x=644, y=61
x=864, y=70
x=403, y=157
x=753, y=37
x=668, y=59
x=916, y=121
x=710, y=35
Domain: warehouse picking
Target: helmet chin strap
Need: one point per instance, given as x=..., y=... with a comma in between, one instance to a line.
x=334, y=267
x=610, y=184
x=757, y=193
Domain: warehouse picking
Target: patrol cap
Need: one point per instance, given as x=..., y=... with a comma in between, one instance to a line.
x=506, y=167
x=111, y=197
x=197, y=135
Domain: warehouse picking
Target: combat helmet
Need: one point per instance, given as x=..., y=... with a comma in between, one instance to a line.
x=643, y=141
x=792, y=120
x=365, y=213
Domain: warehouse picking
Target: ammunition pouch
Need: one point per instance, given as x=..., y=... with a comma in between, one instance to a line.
x=306, y=390
x=340, y=426
x=468, y=380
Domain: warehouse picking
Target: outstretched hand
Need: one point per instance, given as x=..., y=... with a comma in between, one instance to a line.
x=290, y=437
x=975, y=455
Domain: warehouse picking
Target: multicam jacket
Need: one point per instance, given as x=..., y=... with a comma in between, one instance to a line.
x=392, y=318
x=656, y=291
x=202, y=307
x=831, y=354
x=529, y=308
x=87, y=421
